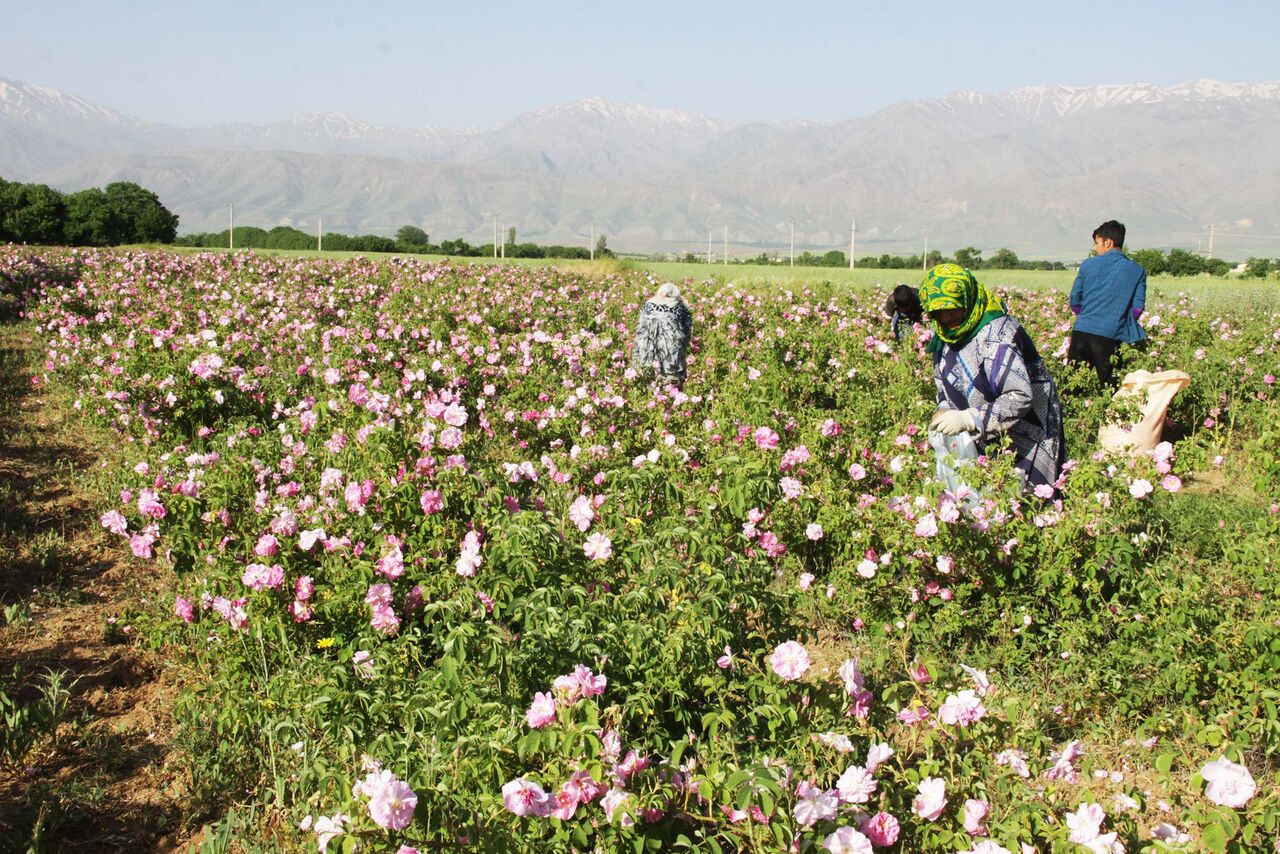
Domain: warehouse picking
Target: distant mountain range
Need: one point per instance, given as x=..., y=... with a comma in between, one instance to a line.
x=1034, y=169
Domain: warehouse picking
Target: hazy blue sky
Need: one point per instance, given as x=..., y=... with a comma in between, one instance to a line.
x=427, y=63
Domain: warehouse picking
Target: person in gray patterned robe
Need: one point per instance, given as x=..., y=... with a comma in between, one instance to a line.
x=1003, y=384
x=662, y=336
x=989, y=377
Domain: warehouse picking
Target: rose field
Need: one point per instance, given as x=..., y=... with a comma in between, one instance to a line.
x=440, y=572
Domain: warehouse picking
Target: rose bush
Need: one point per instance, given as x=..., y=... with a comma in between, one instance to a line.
x=444, y=574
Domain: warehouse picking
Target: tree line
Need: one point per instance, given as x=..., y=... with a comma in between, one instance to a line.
x=408, y=239
x=1001, y=259
x=122, y=212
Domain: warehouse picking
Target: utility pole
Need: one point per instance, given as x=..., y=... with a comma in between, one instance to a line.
x=726, y=244
x=495, y=236
x=1210, y=258
x=319, y=232
x=793, y=242
x=708, y=247
x=853, y=244
x=231, y=227
x=593, y=241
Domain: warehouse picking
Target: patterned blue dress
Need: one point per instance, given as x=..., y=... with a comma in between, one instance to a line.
x=662, y=340
x=1000, y=377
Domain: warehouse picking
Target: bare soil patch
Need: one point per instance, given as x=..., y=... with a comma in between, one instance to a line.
x=102, y=775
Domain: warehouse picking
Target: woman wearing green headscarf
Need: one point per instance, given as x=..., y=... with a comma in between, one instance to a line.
x=989, y=376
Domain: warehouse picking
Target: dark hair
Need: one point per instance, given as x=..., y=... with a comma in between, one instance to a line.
x=1111, y=230
x=906, y=301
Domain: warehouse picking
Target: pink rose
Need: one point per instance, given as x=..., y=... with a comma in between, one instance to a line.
x=814, y=805
x=581, y=513
x=1140, y=488
x=882, y=829
x=1227, y=783
x=1086, y=823
x=846, y=840
x=790, y=660
x=962, y=709
x=598, y=547
x=931, y=798
x=877, y=755
x=856, y=785
x=115, y=522
x=765, y=438
x=524, y=797
x=542, y=711
x=432, y=501
x=974, y=813
x=391, y=801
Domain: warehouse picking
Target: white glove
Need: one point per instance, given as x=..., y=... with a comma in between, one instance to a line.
x=950, y=422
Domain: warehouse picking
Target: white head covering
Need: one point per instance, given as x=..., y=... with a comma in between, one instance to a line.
x=667, y=294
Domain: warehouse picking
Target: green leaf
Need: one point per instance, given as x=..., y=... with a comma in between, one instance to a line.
x=1214, y=838
x=1164, y=762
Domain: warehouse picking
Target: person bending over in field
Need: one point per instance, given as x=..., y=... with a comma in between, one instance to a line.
x=989, y=377
x=662, y=337
x=903, y=308
x=1108, y=297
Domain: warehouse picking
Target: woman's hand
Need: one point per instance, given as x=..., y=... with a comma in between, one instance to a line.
x=951, y=422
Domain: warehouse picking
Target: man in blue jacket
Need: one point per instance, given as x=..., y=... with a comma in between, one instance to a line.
x=1107, y=298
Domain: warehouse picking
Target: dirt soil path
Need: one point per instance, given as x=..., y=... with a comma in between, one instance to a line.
x=90, y=767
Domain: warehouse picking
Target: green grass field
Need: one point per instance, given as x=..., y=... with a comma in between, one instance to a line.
x=1250, y=294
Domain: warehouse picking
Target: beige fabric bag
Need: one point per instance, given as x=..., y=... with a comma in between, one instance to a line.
x=1145, y=434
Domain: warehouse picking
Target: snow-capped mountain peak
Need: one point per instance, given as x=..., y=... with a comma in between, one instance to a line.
x=1034, y=101
x=623, y=113
x=30, y=102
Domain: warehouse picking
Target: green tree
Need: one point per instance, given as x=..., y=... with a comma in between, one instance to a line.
x=556, y=251
x=1217, y=267
x=602, y=248
x=372, y=243
x=934, y=258
x=287, y=237
x=4, y=209
x=834, y=258
x=1183, y=263
x=249, y=237
x=91, y=220
x=525, y=250
x=412, y=239
x=456, y=247
x=1003, y=259
x=970, y=257
x=1257, y=268
x=142, y=218
x=511, y=236
x=32, y=213
x=1152, y=260
x=332, y=241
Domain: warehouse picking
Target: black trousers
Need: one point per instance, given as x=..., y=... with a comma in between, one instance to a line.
x=1094, y=350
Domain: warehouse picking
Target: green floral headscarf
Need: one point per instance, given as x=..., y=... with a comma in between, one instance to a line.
x=952, y=286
